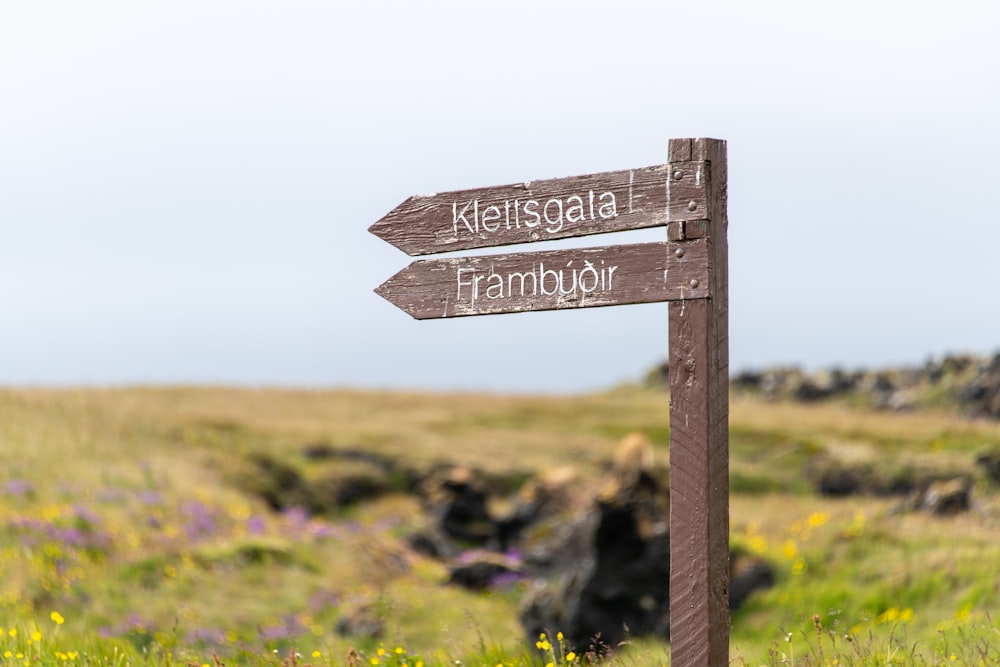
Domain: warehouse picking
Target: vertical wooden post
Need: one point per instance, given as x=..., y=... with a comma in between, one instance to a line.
x=699, y=414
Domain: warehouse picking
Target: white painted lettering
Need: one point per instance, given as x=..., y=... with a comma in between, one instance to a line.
x=553, y=214
x=491, y=213
x=494, y=290
x=531, y=208
x=546, y=273
x=522, y=277
x=588, y=272
x=472, y=297
x=460, y=215
x=608, y=209
x=554, y=224
x=540, y=280
x=574, y=209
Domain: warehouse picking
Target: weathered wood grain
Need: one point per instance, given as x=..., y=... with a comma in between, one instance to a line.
x=550, y=280
x=699, y=428
x=537, y=211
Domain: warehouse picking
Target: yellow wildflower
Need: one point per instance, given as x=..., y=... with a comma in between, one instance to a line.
x=57, y=618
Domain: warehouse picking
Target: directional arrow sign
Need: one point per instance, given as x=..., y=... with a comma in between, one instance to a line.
x=549, y=280
x=539, y=211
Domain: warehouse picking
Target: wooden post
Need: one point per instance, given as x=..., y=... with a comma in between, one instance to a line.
x=699, y=414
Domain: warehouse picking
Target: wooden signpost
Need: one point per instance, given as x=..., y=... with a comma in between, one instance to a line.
x=689, y=270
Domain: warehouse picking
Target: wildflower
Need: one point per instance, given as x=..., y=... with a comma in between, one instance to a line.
x=571, y=656
x=13, y=632
x=374, y=660
x=57, y=618
x=36, y=636
x=399, y=650
x=380, y=651
x=316, y=654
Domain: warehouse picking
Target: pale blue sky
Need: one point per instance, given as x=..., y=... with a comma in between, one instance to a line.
x=185, y=187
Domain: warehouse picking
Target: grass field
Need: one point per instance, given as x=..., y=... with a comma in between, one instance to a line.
x=133, y=527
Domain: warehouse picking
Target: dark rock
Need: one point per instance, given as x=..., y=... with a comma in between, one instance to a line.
x=748, y=380
x=659, y=376
x=361, y=622
x=550, y=494
x=836, y=479
x=483, y=571
x=457, y=501
x=746, y=576
x=947, y=497
x=990, y=462
x=428, y=545
x=280, y=485
x=981, y=397
x=619, y=586
x=809, y=391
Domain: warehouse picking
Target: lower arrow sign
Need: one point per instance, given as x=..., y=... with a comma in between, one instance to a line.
x=550, y=280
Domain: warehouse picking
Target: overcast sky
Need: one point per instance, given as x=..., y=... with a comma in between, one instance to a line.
x=186, y=186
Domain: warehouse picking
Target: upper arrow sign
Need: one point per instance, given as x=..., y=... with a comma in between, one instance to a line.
x=537, y=210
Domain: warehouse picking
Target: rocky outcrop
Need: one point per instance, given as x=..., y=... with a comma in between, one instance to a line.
x=597, y=554
x=970, y=383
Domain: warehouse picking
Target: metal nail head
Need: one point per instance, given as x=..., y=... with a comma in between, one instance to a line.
x=692, y=205
x=678, y=175
x=679, y=252
x=694, y=283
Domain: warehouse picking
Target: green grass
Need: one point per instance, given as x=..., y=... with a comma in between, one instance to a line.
x=130, y=513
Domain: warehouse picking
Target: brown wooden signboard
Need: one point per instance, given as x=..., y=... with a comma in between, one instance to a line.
x=532, y=211
x=689, y=269
x=549, y=280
